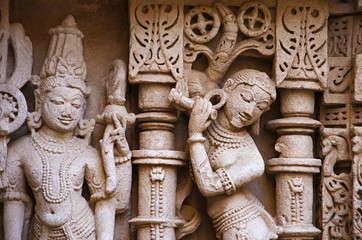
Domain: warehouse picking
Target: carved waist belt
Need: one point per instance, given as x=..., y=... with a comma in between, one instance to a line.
x=234, y=218
x=81, y=227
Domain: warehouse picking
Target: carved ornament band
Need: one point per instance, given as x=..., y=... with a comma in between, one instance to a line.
x=226, y=181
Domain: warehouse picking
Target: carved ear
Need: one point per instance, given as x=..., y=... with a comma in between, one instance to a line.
x=229, y=84
x=254, y=128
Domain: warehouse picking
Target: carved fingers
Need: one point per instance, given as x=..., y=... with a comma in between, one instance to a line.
x=199, y=118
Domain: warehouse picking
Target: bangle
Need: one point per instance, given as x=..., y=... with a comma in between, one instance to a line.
x=227, y=183
x=196, y=139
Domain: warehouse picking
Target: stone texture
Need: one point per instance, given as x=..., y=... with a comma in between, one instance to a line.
x=179, y=55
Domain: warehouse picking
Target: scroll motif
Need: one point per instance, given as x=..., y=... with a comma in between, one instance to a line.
x=301, y=44
x=357, y=183
x=339, y=41
x=156, y=39
x=336, y=186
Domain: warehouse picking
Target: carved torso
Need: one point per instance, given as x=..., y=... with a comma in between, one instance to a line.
x=229, y=150
x=55, y=171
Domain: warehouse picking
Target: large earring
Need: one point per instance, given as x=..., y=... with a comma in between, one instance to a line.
x=222, y=97
x=228, y=85
x=33, y=119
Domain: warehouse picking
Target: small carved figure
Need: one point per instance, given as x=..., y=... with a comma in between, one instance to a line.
x=52, y=160
x=117, y=164
x=224, y=157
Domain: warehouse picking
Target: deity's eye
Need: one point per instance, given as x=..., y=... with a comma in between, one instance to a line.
x=57, y=101
x=247, y=96
x=77, y=103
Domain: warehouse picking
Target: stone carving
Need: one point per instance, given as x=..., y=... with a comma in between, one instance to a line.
x=156, y=64
x=300, y=68
x=117, y=164
x=225, y=158
x=54, y=162
x=339, y=39
x=301, y=45
x=13, y=106
x=339, y=114
x=336, y=186
x=296, y=194
x=201, y=25
x=156, y=39
x=357, y=184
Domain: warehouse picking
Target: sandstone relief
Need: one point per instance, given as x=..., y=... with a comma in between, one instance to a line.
x=180, y=119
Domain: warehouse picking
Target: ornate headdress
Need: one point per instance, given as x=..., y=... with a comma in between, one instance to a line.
x=254, y=77
x=64, y=65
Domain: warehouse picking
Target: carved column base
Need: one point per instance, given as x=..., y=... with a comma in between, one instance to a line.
x=294, y=187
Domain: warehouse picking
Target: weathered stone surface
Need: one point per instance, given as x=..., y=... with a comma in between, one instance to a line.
x=191, y=167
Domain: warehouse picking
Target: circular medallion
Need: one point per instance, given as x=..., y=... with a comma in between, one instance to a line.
x=254, y=19
x=202, y=23
x=13, y=109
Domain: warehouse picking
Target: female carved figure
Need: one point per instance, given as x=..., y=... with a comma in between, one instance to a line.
x=224, y=157
x=52, y=160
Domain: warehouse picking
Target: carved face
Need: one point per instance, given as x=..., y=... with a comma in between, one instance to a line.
x=62, y=108
x=246, y=104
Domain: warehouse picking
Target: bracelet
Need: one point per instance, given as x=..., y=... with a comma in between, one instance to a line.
x=196, y=139
x=226, y=181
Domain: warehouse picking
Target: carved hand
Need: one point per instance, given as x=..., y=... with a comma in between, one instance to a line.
x=199, y=118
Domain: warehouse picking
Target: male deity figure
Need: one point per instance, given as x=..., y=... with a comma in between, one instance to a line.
x=52, y=160
x=224, y=157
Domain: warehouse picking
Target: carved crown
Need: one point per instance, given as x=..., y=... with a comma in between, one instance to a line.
x=65, y=63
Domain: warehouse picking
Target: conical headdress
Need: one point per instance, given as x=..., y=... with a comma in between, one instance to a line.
x=64, y=65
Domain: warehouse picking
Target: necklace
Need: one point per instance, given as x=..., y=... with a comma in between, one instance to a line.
x=221, y=137
x=222, y=140
x=54, y=150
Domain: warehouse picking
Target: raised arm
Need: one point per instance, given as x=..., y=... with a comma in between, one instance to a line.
x=209, y=182
x=247, y=166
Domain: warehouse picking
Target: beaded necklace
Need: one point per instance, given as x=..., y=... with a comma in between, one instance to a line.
x=50, y=150
x=222, y=139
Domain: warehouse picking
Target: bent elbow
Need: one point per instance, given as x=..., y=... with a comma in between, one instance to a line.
x=208, y=192
x=259, y=170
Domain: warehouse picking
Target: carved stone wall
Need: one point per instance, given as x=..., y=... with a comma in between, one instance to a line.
x=175, y=74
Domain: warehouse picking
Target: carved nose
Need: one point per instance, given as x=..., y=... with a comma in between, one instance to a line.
x=67, y=110
x=250, y=109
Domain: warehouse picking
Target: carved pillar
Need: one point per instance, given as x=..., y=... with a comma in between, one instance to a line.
x=300, y=70
x=156, y=64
